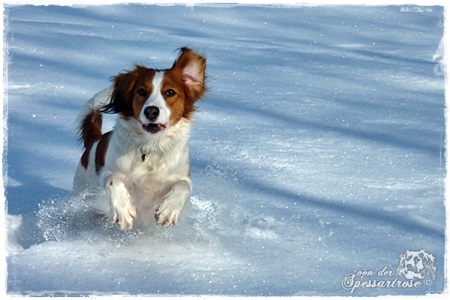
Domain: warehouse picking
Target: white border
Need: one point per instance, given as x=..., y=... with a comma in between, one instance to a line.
x=3, y=141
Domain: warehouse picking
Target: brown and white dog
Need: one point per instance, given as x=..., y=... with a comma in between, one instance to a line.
x=141, y=168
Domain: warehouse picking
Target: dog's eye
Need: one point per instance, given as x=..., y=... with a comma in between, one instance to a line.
x=142, y=92
x=169, y=93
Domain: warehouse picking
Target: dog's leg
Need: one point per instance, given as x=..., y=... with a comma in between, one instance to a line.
x=124, y=210
x=168, y=212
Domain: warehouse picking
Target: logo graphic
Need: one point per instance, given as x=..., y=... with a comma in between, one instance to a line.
x=416, y=265
x=416, y=269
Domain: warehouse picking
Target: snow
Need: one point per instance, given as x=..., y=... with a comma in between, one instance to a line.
x=318, y=152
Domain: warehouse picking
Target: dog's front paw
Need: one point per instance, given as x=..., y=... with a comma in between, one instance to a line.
x=125, y=216
x=167, y=213
x=122, y=205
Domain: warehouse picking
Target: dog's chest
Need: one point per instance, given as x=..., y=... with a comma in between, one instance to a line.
x=149, y=180
x=149, y=172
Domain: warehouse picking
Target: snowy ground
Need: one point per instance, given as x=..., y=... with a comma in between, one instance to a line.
x=317, y=153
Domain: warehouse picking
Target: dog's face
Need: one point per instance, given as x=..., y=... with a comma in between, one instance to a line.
x=159, y=99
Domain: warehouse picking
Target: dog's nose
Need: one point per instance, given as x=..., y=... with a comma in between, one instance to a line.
x=151, y=113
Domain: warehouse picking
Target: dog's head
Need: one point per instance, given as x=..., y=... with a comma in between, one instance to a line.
x=159, y=99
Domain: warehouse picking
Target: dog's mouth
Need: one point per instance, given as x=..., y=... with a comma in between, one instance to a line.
x=153, y=127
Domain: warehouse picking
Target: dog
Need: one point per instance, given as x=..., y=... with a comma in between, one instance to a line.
x=141, y=168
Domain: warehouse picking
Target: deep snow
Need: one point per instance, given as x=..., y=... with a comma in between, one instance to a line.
x=318, y=152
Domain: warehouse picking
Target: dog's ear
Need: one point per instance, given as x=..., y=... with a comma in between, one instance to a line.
x=122, y=95
x=193, y=71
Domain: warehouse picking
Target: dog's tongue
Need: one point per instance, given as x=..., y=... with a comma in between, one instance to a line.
x=153, y=128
